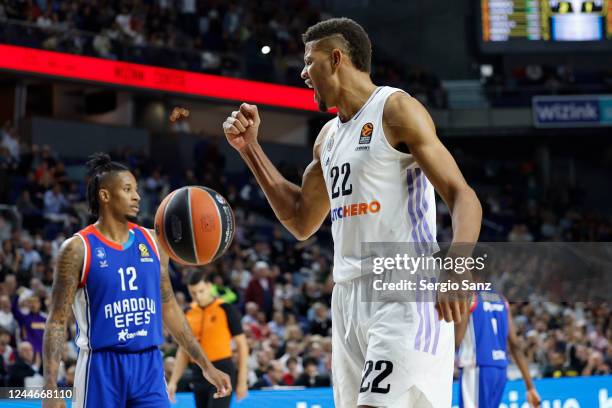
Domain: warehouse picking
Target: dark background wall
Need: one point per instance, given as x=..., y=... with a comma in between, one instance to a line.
x=426, y=33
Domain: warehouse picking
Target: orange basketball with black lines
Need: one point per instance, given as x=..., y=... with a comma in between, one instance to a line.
x=367, y=129
x=194, y=225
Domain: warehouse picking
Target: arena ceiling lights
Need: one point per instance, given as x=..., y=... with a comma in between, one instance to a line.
x=116, y=73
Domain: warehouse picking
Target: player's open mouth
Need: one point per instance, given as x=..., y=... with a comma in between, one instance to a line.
x=135, y=208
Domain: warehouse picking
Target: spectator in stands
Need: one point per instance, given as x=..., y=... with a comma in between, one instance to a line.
x=556, y=367
x=25, y=366
x=10, y=140
x=597, y=365
x=261, y=288
x=6, y=351
x=293, y=349
x=31, y=320
x=277, y=325
x=223, y=291
x=29, y=255
x=240, y=275
x=310, y=377
x=250, y=317
x=55, y=206
x=321, y=321
x=263, y=359
x=7, y=321
x=11, y=257
x=32, y=216
x=292, y=373
x=273, y=376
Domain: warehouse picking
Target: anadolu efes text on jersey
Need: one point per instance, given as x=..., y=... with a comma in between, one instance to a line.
x=377, y=193
x=118, y=302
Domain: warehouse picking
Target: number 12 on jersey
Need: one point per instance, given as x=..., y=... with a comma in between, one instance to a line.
x=130, y=271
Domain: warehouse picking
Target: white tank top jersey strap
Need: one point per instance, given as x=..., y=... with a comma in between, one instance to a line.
x=377, y=193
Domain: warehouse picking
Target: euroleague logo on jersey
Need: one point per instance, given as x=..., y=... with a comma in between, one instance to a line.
x=144, y=253
x=365, y=137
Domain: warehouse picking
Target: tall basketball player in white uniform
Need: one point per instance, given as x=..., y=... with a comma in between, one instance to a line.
x=375, y=167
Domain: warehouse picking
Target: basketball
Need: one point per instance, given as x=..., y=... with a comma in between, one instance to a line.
x=194, y=225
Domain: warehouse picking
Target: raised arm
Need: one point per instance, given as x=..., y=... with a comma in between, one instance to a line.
x=300, y=209
x=65, y=282
x=177, y=325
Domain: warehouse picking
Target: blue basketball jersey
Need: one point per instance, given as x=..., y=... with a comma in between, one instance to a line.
x=485, y=341
x=118, y=302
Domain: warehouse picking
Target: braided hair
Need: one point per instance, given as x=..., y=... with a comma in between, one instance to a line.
x=99, y=167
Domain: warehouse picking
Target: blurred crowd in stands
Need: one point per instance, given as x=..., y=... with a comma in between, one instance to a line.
x=283, y=287
x=224, y=38
x=251, y=39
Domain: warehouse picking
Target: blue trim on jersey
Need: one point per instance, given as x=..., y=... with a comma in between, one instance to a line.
x=130, y=240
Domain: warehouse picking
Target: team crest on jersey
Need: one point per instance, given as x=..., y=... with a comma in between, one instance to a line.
x=144, y=253
x=100, y=253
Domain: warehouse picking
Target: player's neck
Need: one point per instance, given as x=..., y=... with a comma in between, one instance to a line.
x=353, y=95
x=114, y=230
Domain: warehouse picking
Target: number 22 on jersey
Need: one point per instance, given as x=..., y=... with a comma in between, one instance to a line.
x=347, y=188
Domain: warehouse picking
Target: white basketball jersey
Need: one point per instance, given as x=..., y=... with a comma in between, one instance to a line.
x=377, y=193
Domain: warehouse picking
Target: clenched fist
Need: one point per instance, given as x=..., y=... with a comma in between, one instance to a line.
x=242, y=126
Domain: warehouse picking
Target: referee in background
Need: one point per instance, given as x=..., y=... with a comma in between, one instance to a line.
x=214, y=323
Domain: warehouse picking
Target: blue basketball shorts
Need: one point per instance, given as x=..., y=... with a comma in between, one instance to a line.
x=481, y=387
x=121, y=380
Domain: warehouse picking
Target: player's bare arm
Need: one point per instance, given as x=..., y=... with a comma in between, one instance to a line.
x=65, y=282
x=301, y=209
x=177, y=325
x=519, y=358
x=406, y=121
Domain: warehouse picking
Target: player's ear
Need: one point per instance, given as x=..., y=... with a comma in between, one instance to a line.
x=103, y=195
x=336, y=58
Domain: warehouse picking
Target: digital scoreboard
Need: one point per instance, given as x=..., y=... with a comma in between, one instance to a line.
x=545, y=25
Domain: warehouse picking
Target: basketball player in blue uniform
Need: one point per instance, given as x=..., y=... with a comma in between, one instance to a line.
x=483, y=341
x=115, y=277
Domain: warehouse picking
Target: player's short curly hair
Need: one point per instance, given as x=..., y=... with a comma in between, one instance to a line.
x=357, y=40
